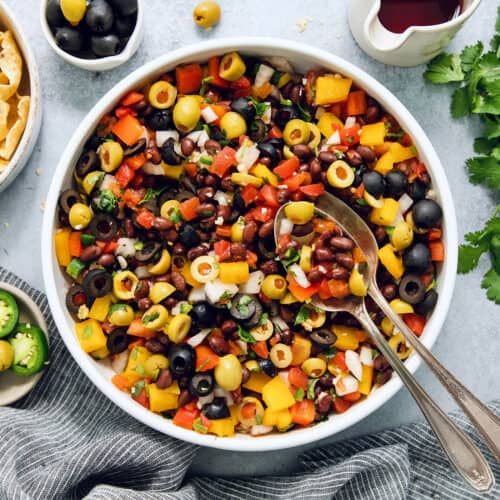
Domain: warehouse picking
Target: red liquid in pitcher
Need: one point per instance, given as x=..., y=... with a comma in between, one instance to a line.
x=398, y=15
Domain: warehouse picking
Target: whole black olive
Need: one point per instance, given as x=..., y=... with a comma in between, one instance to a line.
x=397, y=182
x=426, y=214
x=323, y=337
x=270, y=151
x=117, y=341
x=103, y=227
x=125, y=7
x=203, y=314
x=242, y=106
x=69, y=39
x=168, y=153
x=160, y=120
x=201, y=384
x=254, y=320
x=268, y=367
x=417, y=258
x=257, y=130
x=75, y=298
x=417, y=190
x=99, y=16
x=284, y=115
x=374, y=183
x=97, y=283
x=216, y=410
x=87, y=162
x=412, y=289
x=67, y=199
x=188, y=236
x=148, y=251
x=182, y=358
x=238, y=202
x=428, y=304
x=104, y=46
x=54, y=14
x=242, y=307
x=124, y=25
x=358, y=175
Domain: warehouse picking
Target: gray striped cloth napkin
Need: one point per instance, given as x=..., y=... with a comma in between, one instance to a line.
x=66, y=440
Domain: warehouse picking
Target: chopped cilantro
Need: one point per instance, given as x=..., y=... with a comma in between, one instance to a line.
x=245, y=335
x=149, y=318
x=140, y=369
x=198, y=426
x=330, y=352
x=136, y=391
x=186, y=308
x=87, y=332
x=291, y=255
x=311, y=384
x=303, y=315
x=175, y=216
x=263, y=319
x=107, y=201
x=258, y=419
x=299, y=394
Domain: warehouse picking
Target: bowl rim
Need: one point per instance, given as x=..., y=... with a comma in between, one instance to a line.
x=201, y=51
x=101, y=63
x=33, y=123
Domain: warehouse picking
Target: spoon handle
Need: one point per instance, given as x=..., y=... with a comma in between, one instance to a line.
x=483, y=419
x=461, y=451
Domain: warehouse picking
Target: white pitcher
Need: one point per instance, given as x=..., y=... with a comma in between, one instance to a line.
x=416, y=45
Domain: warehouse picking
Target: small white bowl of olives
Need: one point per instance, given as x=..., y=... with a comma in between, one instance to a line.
x=96, y=35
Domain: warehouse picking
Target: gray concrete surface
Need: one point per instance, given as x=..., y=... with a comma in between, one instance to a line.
x=469, y=343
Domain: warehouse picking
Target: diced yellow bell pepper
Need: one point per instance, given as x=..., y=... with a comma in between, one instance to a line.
x=61, y=242
x=385, y=163
x=305, y=262
x=366, y=383
x=391, y=261
x=401, y=153
x=301, y=349
x=222, y=427
x=172, y=171
x=281, y=419
x=101, y=353
x=347, y=337
x=162, y=399
x=372, y=134
x=262, y=172
x=277, y=395
x=257, y=381
x=327, y=124
x=137, y=358
x=385, y=215
x=160, y=291
x=237, y=230
x=161, y=266
x=387, y=326
x=401, y=307
x=100, y=307
x=284, y=79
x=289, y=298
x=234, y=272
x=245, y=179
x=186, y=272
x=233, y=410
x=330, y=89
x=90, y=335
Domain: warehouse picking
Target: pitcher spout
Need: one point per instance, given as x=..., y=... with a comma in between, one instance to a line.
x=379, y=37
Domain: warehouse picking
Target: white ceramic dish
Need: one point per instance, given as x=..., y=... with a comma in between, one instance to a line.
x=302, y=58
x=13, y=386
x=103, y=63
x=30, y=85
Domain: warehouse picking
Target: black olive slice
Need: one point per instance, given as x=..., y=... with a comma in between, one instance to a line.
x=137, y=148
x=257, y=130
x=75, y=298
x=103, y=227
x=67, y=199
x=268, y=367
x=412, y=289
x=148, y=251
x=168, y=153
x=256, y=317
x=323, y=337
x=243, y=307
x=87, y=162
x=117, y=341
x=97, y=283
x=428, y=304
x=201, y=384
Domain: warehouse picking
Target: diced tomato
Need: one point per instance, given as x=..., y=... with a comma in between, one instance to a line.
x=213, y=72
x=415, y=322
x=299, y=179
x=132, y=197
x=270, y=195
x=222, y=249
x=313, y=190
x=188, y=208
x=352, y=397
x=110, y=247
x=145, y=219
x=297, y=377
x=124, y=175
x=303, y=412
x=128, y=129
x=324, y=290
x=188, y=78
x=241, y=87
x=427, y=279
x=186, y=415
x=406, y=140
x=339, y=289
x=437, y=250
x=223, y=161
x=339, y=360
x=250, y=194
x=299, y=292
x=223, y=231
x=262, y=213
x=120, y=382
x=350, y=136
x=341, y=405
x=287, y=168
x=137, y=329
x=136, y=162
x=248, y=410
x=132, y=98
x=283, y=240
x=435, y=233
x=275, y=133
x=122, y=111
x=138, y=180
x=206, y=359
x=252, y=259
x=142, y=398
x=260, y=348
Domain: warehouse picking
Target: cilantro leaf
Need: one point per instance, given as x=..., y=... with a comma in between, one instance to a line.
x=460, y=103
x=491, y=127
x=468, y=257
x=470, y=55
x=291, y=255
x=245, y=335
x=303, y=315
x=444, y=68
x=484, y=170
x=491, y=282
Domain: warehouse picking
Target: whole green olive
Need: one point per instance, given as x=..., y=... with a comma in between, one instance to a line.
x=233, y=124
x=121, y=314
x=186, y=113
x=206, y=14
x=228, y=372
x=80, y=216
x=6, y=355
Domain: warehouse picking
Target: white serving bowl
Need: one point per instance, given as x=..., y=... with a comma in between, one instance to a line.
x=302, y=57
x=102, y=63
x=30, y=85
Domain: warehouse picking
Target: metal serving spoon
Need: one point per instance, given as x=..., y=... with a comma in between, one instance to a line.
x=461, y=451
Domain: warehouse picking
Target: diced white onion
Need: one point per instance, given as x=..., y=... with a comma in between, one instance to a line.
x=215, y=290
x=258, y=430
x=122, y=262
x=266, y=116
x=246, y=156
x=280, y=63
x=243, y=347
x=263, y=75
x=353, y=363
x=162, y=136
x=107, y=182
x=208, y=114
x=346, y=385
x=365, y=356
x=119, y=361
x=197, y=294
x=178, y=148
x=126, y=247
x=280, y=323
x=220, y=198
x=194, y=136
x=253, y=284
x=283, y=374
x=219, y=221
x=177, y=308
x=202, y=139
x=142, y=272
x=334, y=139
x=199, y=337
x=431, y=195
x=299, y=275
x=286, y=226
x=203, y=400
x=405, y=202
x=219, y=392
x=350, y=122
x=152, y=169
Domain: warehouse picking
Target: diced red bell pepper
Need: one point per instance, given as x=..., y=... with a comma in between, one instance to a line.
x=297, y=377
x=136, y=162
x=270, y=195
x=132, y=98
x=223, y=161
x=341, y=405
x=303, y=412
x=313, y=190
x=189, y=207
x=128, y=129
x=275, y=133
x=339, y=289
x=241, y=87
x=222, y=249
x=186, y=415
x=295, y=181
x=124, y=175
x=132, y=197
x=137, y=329
x=145, y=219
x=299, y=292
x=188, y=78
x=415, y=322
x=437, y=250
x=339, y=360
x=350, y=136
x=324, y=290
x=142, y=398
x=206, y=359
x=263, y=213
x=287, y=168
x=250, y=194
x=260, y=348
x=352, y=397
x=122, y=111
x=213, y=71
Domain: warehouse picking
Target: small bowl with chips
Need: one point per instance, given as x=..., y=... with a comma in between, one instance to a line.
x=20, y=105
